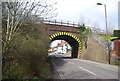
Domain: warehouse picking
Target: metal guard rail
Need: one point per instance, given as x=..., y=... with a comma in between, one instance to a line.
x=70, y=23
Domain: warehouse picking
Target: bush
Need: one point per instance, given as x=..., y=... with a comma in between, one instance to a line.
x=27, y=53
x=116, y=33
x=13, y=70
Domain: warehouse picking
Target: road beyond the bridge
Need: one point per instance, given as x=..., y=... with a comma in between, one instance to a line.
x=65, y=67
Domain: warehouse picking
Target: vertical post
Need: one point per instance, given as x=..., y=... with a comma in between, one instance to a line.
x=61, y=22
x=49, y=21
x=106, y=21
x=68, y=23
x=108, y=46
x=55, y=22
x=78, y=24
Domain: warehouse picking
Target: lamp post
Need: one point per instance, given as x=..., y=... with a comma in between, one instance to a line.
x=108, y=47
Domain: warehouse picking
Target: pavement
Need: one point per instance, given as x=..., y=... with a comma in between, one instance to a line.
x=65, y=67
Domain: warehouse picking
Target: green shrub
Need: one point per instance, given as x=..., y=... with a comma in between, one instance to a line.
x=44, y=72
x=29, y=51
x=13, y=70
x=116, y=33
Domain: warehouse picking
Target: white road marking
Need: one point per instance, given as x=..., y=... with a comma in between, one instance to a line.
x=71, y=63
x=106, y=66
x=87, y=70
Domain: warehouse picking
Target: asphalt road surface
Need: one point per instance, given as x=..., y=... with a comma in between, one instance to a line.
x=65, y=67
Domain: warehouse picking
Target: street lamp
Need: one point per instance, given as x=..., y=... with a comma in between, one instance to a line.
x=105, y=17
x=99, y=3
x=106, y=32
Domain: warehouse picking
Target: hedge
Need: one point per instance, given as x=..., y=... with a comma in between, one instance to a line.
x=116, y=33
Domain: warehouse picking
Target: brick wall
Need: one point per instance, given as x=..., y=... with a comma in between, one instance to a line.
x=117, y=47
x=51, y=29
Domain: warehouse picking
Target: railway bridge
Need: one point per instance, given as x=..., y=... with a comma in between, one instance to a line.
x=68, y=31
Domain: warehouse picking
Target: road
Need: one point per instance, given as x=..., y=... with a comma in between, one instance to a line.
x=65, y=67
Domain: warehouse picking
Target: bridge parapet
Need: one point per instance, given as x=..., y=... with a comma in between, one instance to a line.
x=61, y=22
x=71, y=24
x=54, y=26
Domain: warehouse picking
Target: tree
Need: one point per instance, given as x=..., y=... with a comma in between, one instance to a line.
x=96, y=24
x=25, y=41
x=84, y=33
x=110, y=29
x=16, y=13
x=82, y=19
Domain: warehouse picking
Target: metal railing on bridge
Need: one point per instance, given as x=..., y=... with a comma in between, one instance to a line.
x=69, y=23
x=61, y=22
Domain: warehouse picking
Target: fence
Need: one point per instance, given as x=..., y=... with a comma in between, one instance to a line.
x=61, y=22
x=70, y=23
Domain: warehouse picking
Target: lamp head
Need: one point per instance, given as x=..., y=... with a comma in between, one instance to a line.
x=99, y=3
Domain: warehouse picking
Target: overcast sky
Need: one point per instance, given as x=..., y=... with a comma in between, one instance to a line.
x=87, y=10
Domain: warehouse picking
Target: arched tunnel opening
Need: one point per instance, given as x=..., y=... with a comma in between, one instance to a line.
x=60, y=48
x=73, y=43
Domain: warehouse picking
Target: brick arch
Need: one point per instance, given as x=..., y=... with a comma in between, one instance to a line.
x=68, y=36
